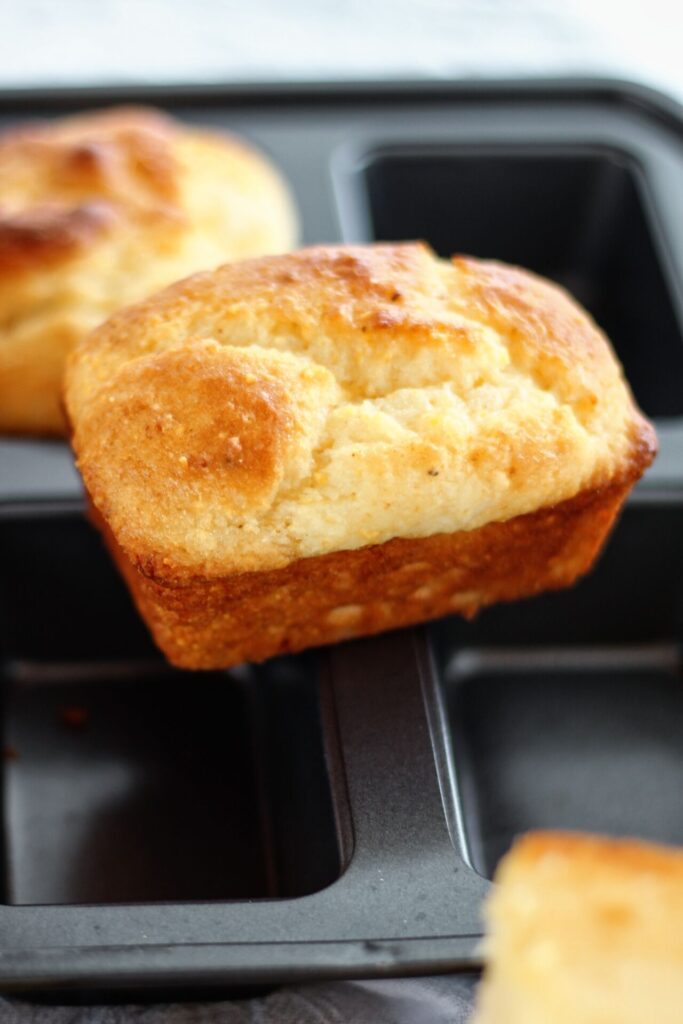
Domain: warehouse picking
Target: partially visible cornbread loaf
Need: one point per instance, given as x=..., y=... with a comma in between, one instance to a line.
x=100, y=210
x=300, y=448
x=584, y=930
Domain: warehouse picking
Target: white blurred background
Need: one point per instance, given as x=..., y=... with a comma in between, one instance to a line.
x=63, y=42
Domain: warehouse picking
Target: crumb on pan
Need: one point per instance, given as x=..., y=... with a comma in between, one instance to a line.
x=74, y=716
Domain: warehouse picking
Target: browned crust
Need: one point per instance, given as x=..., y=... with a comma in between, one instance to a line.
x=49, y=233
x=252, y=616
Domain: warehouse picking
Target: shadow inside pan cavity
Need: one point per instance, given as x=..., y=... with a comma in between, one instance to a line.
x=566, y=711
x=125, y=780
x=579, y=217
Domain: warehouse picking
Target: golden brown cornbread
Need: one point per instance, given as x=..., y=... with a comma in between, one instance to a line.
x=100, y=210
x=584, y=930
x=294, y=449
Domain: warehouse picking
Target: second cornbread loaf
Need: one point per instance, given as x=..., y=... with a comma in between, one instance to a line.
x=102, y=209
x=296, y=449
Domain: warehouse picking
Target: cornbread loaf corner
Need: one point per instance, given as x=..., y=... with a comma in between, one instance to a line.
x=584, y=930
x=297, y=449
x=102, y=209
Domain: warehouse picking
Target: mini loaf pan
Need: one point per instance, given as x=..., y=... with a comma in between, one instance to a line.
x=341, y=813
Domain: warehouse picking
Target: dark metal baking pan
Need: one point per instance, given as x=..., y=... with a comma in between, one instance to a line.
x=566, y=711
x=340, y=813
x=172, y=828
x=125, y=780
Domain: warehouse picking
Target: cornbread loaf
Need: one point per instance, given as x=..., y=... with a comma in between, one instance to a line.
x=296, y=449
x=585, y=930
x=100, y=210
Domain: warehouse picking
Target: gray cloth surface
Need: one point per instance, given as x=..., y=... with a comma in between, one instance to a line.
x=442, y=1000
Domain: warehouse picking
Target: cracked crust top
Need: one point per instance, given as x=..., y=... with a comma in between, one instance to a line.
x=336, y=397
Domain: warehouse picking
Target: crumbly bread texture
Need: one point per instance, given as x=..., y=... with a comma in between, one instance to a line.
x=328, y=443
x=584, y=930
x=100, y=210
